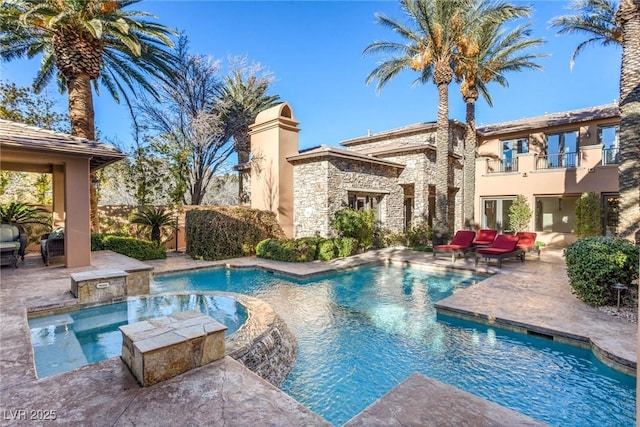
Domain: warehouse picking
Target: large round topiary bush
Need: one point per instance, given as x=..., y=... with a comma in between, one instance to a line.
x=596, y=263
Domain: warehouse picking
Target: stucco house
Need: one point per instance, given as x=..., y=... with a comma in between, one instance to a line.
x=550, y=159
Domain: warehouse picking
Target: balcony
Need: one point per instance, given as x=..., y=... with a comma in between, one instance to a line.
x=535, y=173
x=610, y=156
x=557, y=161
x=502, y=166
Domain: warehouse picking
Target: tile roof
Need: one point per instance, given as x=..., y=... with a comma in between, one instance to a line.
x=325, y=151
x=19, y=135
x=405, y=130
x=549, y=120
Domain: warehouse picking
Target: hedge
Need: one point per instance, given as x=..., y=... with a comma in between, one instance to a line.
x=135, y=248
x=596, y=263
x=228, y=232
x=306, y=249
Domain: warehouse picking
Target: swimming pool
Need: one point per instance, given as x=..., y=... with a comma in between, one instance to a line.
x=67, y=341
x=360, y=333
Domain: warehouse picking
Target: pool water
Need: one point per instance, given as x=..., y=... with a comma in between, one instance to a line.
x=67, y=341
x=361, y=333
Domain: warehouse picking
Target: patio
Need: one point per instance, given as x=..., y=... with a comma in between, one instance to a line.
x=530, y=296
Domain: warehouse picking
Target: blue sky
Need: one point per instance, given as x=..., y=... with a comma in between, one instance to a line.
x=314, y=50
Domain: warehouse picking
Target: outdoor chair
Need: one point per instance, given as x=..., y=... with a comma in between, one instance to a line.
x=52, y=245
x=527, y=243
x=13, y=243
x=505, y=246
x=460, y=244
x=485, y=237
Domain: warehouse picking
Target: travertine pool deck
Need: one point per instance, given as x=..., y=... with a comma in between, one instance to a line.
x=533, y=296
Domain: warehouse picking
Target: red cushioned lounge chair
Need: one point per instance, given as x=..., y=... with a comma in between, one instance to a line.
x=504, y=246
x=527, y=243
x=485, y=237
x=460, y=244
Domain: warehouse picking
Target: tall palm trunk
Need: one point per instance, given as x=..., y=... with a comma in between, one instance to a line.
x=628, y=17
x=470, y=141
x=442, y=77
x=81, y=114
x=243, y=148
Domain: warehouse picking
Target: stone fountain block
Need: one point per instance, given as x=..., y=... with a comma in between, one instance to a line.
x=161, y=348
x=99, y=285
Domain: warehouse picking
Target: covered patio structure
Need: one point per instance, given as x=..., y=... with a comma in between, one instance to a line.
x=70, y=160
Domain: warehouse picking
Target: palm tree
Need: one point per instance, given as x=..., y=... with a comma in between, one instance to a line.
x=87, y=42
x=155, y=219
x=430, y=49
x=594, y=17
x=243, y=96
x=628, y=18
x=442, y=31
x=498, y=52
x=600, y=21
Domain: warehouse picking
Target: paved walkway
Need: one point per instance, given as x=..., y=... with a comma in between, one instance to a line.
x=530, y=296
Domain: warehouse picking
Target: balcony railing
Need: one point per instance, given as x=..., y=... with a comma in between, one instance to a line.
x=610, y=156
x=557, y=161
x=502, y=166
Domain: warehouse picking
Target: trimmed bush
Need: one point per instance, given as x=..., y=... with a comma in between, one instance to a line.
x=228, y=232
x=596, y=263
x=356, y=223
x=520, y=214
x=346, y=246
x=327, y=250
x=135, y=248
x=306, y=249
x=286, y=250
x=588, y=215
x=419, y=234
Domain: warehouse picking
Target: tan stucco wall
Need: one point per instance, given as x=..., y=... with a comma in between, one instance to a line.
x=274, y=137
x=590, y=175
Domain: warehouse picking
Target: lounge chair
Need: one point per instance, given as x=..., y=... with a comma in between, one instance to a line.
x=504, y=246
x=485, y=237
x=527, y=243
x=460, y=244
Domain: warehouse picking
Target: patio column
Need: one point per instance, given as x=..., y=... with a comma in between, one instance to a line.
x=77, y=231
x=58, y=195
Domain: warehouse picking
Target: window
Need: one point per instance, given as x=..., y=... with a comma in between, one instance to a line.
x=365, y=201
x=495, y=214
x=509, y=150
x=556, y=213
x=608, y=137
x=562, y=149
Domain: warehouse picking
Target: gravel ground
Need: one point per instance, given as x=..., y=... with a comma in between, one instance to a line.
x=629, y=313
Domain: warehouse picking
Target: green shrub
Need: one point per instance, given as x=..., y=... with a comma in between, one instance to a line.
x=327, y=250
x=520, y=214
x=228, y=232
x=386, y=238
x=347, y=246
x=356, y=223
x=129, y=246
x=596, y=263
x=588, y=215
x=306, y=249
x=286, y=250
x=419, y=234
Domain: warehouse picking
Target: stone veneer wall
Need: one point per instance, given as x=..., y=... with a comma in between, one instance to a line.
x=346, y=174
x=320, y=185
x=310, y=195
x=264, y=344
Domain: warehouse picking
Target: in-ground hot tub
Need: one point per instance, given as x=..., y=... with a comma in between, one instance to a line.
x=256, y=336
